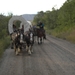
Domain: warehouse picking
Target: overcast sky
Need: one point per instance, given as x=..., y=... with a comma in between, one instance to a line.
x=19, y=7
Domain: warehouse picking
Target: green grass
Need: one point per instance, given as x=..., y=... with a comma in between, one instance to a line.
x=4, y=43
x=64, y=32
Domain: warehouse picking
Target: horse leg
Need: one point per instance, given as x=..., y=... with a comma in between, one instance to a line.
x=39, y=40
x=42, y=39
x=29, y=50
x=32, y=49
x=26, y=47
x=17, y=51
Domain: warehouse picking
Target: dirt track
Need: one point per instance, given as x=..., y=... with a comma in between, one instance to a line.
x=53, y=57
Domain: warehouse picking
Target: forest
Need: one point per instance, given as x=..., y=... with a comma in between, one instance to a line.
x=59, y=22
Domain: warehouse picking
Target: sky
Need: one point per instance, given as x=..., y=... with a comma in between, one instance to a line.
x=20, y=7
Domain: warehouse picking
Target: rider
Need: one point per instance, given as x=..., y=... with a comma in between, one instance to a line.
x=22, y=29
x=14, y=28
x=41, y=26
x=31, y=29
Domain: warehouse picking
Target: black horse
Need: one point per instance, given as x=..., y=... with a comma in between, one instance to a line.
x=24, y=40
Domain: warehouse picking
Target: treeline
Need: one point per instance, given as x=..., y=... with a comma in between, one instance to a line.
x=4, y=37
x=59, y=22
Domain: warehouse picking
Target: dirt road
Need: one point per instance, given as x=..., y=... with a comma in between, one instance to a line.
x=54, y=57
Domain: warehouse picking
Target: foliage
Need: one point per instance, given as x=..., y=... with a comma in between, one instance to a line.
x=59, y=22
x=4, y=43
x=17, y=23
x=4, y=37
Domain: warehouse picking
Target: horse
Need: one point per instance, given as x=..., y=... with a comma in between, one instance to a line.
x=13, y=36
x=39, y=32
x=40, y=35
x=24, y=40
x=29, y=38
x=16, y=43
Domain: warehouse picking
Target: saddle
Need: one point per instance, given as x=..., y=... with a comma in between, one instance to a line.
x=42, y=30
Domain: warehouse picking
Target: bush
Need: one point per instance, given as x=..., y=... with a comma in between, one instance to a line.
x=4, y=43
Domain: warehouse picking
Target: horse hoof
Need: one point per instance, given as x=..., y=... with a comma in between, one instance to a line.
x=19, y=50
x=29, y=52
x=17, y=54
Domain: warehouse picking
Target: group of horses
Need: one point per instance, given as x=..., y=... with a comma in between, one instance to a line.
x=26, y=40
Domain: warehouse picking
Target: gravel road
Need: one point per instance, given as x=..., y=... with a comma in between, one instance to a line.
x=53, y=57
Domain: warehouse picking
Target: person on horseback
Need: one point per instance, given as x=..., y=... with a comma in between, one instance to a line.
x=14, y=28
x=31, y=28
x=41, y=26
x=22, y=29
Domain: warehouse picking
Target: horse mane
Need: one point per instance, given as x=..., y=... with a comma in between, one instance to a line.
x=14, y=35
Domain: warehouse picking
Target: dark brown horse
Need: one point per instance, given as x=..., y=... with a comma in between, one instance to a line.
x=40, y=34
